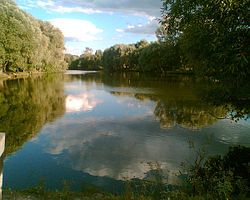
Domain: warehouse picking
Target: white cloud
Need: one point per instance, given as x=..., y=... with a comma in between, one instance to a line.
x=145, y=29
x=81, y=33
x=25, y=7
x=119, y=30
x=61, y=9
x=131, y=26
x=76, y=29
x=45, y=4
x=74, y=48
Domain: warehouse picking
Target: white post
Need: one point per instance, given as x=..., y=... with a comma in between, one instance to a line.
x=2, y=146
x=2, y=143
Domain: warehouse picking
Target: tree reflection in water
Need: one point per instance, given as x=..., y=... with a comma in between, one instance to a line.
x=26, y=105
x=113, y=124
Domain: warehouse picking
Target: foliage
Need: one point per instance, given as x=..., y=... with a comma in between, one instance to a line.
x=222, y=177
x=116, y=58
x=54, y=51
x=70, y=58
x=87, y=61
x=213, y=35
x=27, y=44
x=159, y=57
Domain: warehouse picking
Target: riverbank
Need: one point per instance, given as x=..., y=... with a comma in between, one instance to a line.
x=54, y=195
x=36, y=195
x=14, y=75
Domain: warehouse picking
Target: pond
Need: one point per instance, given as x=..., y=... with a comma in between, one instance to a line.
x=101, y=129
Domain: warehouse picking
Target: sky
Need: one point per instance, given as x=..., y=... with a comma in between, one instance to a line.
x=98, y=24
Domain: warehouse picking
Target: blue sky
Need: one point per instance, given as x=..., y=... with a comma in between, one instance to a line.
x=98, y=24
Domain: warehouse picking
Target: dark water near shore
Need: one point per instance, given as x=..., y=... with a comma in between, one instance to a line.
x=101, y=129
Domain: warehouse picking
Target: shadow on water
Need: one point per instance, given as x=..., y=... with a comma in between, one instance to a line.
x=234, y=97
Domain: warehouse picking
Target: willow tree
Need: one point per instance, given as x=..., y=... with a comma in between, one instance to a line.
x=26, y=44
x=116, y=58
x=17, y=37
x=54, y=48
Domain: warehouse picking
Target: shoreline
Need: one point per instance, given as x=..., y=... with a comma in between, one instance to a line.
x=13, y=75
x=16, y=75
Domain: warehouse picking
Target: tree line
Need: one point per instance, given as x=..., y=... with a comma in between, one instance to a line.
x=209, y=38
x=28, y=44
x=141, y=56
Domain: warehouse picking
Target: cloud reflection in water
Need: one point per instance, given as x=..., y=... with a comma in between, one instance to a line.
x=117, y=148
x=81, y=102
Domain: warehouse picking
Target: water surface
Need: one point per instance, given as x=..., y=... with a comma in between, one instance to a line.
x=101, y=129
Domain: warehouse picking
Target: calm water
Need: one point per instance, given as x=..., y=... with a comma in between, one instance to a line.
x=96, y=129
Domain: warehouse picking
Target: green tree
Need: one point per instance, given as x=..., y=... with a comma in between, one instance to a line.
x=98, y=59
x=87, y=60
x=70, y=58
x=54, y=55
x=134, y=55
x=27, y=44
x=17, y=38
x=214, y=35
x=116, y=58
x=159, y=57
